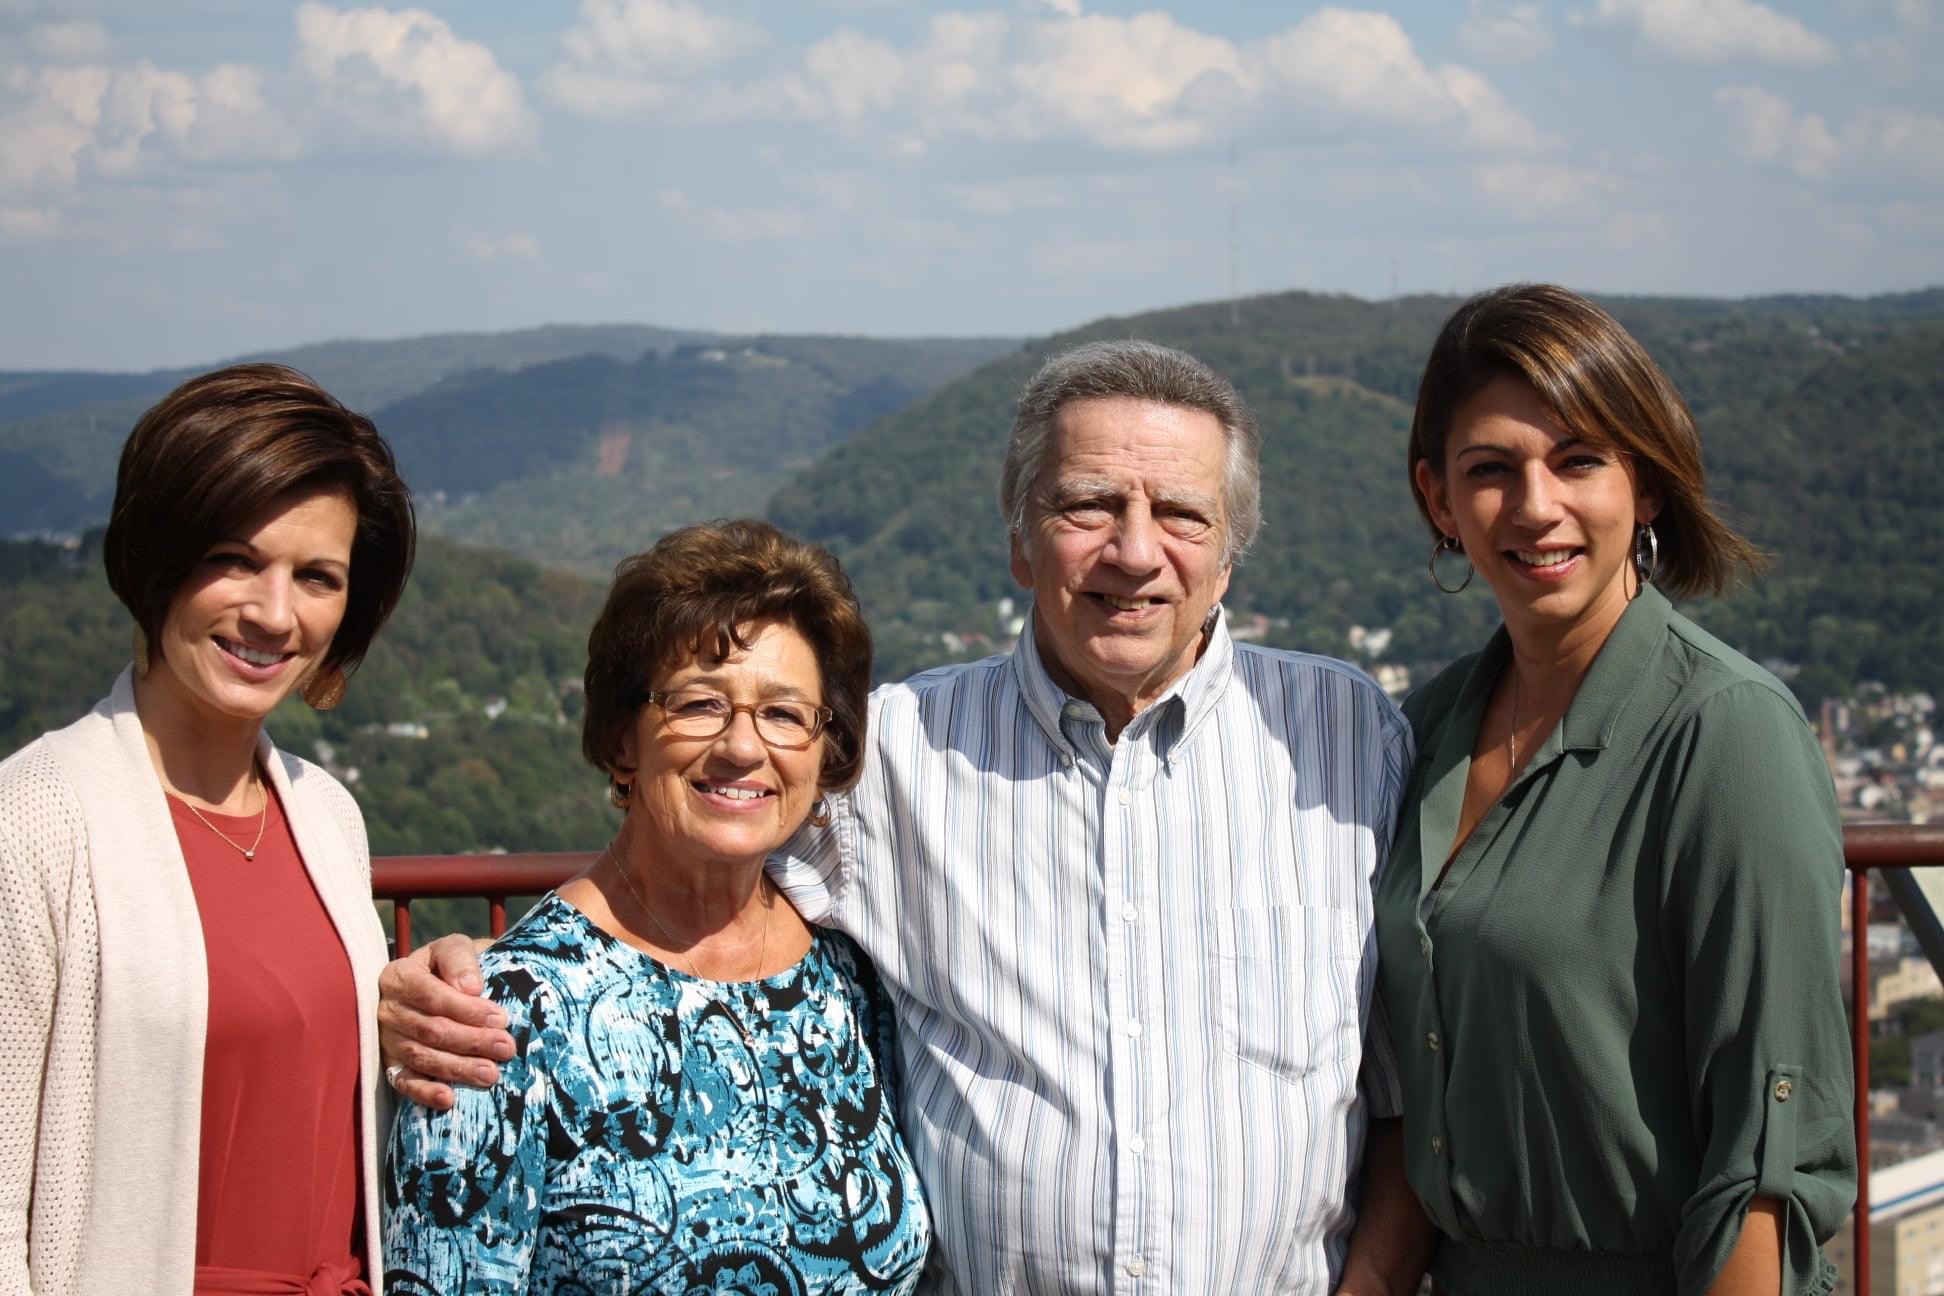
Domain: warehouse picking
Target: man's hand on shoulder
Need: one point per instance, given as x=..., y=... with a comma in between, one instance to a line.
x=434, y=1028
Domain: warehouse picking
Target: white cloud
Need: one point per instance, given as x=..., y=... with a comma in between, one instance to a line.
x=481, y=246
x=62, y=124
x=850, y=77
x=1537, y=191
x=129, y=154
x=1908, y=144
x=404, y=77
x=1498, y=32
x=1363, y=66
x=1764, y=127
x=631, y=57
x=1711, y=31
x=1889, y=147
x=1145, y=83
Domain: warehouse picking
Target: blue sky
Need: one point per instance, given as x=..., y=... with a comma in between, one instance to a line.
x=183, y=180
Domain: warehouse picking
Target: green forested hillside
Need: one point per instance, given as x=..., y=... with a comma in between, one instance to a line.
x=583, y=461
x=61, y=433
x=1819, y=415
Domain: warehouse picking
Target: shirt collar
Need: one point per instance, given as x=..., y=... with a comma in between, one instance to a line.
x=1193, y=697
x=1603, y=695
x=1590, y=719
x=1616, y=673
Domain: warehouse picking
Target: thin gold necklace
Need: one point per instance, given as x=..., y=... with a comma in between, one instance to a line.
x=762, y=955
x=1514, y=740
x=263, y=818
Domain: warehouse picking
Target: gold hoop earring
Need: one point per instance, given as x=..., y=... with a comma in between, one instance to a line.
x=324, y=689
x=618, y=793
x=1445, y=544
x=139, y=650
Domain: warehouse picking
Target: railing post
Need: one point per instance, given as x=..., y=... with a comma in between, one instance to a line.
x=1860, y=1044
x=496, y=915
x=401, y=928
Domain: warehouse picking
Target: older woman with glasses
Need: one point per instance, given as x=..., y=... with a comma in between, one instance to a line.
x=699, y=1097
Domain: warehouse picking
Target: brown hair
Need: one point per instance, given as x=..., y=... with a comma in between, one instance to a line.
x=220, y=448
x=696, y=593
x=1602, y=385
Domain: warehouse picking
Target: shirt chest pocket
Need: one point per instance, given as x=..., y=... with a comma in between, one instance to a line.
x=1285, y=987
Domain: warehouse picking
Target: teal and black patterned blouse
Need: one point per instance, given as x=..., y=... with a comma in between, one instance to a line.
x=656, y=1133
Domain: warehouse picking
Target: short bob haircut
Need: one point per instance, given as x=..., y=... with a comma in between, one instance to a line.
x=1137, y=370
x=1602, y=386
x=220, y=448
x=699, y=592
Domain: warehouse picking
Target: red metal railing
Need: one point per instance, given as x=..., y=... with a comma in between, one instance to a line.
x=405, y=878
x=1866, y=847
x=402, y=879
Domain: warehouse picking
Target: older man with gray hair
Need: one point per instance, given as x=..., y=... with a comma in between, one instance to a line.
x=1118, y=883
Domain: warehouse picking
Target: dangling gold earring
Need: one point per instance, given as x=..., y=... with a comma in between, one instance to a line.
x=140, y=651
x=619, y=792
x=324, y=689
x=820, y=813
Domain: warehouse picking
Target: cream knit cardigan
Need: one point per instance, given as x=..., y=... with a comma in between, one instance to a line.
x=104, y=996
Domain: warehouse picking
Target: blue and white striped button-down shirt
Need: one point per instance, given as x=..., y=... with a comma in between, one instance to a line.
x=1134, y=982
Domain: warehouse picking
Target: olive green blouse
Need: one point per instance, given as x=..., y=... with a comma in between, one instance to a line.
x=1617, y=1019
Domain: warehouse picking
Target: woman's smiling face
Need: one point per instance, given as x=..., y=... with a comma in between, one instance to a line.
x=731, y=797
x=1545, y=516
x=258, y=613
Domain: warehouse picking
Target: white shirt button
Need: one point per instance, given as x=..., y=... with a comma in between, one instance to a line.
x=1136, y=1267
x=1437, y=1145
x=1130, y=914
x=1431, y=1041
x=1126, y=797
x=1136, y=1144
x=1134, y=1030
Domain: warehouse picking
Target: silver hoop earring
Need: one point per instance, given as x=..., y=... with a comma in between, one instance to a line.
x=1646, y=553
x=1445, y=544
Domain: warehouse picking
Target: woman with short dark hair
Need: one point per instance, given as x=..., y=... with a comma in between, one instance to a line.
x=189, y=1094
x=1608, y=928
x=700, y=1096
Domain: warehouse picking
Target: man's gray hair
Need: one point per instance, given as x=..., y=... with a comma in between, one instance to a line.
x=1138, y=370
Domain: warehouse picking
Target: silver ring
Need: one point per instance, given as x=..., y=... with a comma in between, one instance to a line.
x=392, y=1073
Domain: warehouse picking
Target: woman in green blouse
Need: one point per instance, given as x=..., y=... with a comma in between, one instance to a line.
x=1609, y=924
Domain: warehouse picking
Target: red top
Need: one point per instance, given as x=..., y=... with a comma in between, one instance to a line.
x=278, y=1184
